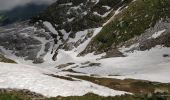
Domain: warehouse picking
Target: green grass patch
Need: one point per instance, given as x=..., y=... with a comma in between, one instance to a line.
x=13, y=96
x=89, y=96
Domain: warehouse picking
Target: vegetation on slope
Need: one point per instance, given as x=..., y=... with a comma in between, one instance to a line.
x=14, y=94
x=6, y=60
x=132, y=21
x=89, y=96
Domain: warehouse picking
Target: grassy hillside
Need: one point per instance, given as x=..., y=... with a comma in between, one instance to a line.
x=132, y=21
x=89, y=96
x=13, y=96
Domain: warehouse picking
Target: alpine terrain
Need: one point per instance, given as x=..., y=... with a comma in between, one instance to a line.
x=87, y=50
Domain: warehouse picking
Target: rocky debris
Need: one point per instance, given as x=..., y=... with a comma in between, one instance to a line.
x=87, y=36
x=94, y=64
x=113, y=53
x=158, y=90
x=162, y=40
x=166, y=55
x=61, y=77
x=72, y=71
x=69, y=45
x=75, y=66
x=38, y=60
x=64, y=65
x=87, y=62
x=91, y=65
x=146, y=41
x=54, y=58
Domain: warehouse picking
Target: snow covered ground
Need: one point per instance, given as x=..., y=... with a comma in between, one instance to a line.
x=33, y=78
x=146, y=65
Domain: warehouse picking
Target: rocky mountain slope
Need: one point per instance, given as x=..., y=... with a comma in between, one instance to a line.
x=141, y=16
x=63, y=23
x=101, y=38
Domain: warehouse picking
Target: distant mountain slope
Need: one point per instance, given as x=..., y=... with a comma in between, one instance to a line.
x=20, y=13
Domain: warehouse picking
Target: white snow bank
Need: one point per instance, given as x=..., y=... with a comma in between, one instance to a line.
x=147, y=65
x=157, y=34
x=104, y=15
x=50, y=27
x=34, y=79
x=116, y=13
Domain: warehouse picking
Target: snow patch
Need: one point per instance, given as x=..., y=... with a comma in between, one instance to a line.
x=50, y=27
x=146, y=65
x=34, y=79
x=159, y=33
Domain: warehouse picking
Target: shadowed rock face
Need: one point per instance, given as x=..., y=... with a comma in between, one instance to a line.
x=146, y=41
x=78, y=15
x=25, y=41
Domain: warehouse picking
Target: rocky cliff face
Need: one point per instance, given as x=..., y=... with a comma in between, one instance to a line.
x=25, y=41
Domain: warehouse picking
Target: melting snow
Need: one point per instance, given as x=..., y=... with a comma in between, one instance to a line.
x=146, y=65
x=116, y=13
x=34, y=79
x=157, y=34
x=104, y=15
x=50, y=27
